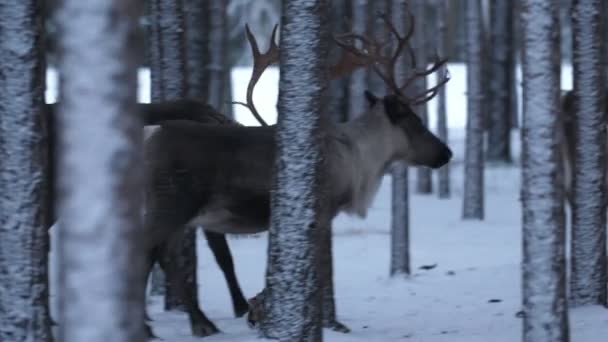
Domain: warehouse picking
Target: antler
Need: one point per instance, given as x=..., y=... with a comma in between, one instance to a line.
x=384, y=65
x=347, y=63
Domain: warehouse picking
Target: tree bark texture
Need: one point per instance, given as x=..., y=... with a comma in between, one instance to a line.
x=197, y=41
x=358, y=78
x=501, y=82
x=443, y=174
x=293, y=284
x=169, y=81
x=338, y=89
x=544, y=282
x=24, y=242
x=377, y=29
x=100, y=236
x=473, y=201
x=588, y=277
x=218, y=54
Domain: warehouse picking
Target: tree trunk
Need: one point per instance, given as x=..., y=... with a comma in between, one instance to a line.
x=376, y=29
x=424, y=181
x=400, y=220
x=358, y=78
x=501, y=82
x=293, y=304
x=218, y=54
x=169, y=81
x=24, y=244
x=544, y=284
x=473, y=202
x=197, y=30
x=443, y=174
x=100, y=244
x=588, y=243
x=338, y=89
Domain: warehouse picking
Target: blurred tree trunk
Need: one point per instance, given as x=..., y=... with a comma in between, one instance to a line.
x=400, y=211
x=501, y=82
x=377, y=29
x=218, y=55
x=293, y=278
x=169, y=81
x=338, y=88
x=358, y=78
x=473, y=202
x=543, y=267
x=100, y=236
x=424, y=181
x=24, y=242
x=588, y=276
x=197, y=41
x=443, y=174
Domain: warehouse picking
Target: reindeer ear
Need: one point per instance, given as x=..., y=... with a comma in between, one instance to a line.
x=371, y=98
x=394, y=108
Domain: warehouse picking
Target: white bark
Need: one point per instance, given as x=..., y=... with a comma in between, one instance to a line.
x=24, y=312
x=292, y=305
x=100, y=252
x=588, y=276
x=358, y=79
x=473, y=202
x=443, y=174
x=544, y=296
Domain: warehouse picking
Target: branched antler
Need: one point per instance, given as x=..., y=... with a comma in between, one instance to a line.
x=384, y=65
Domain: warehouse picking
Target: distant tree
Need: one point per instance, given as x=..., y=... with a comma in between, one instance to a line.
x=169, y=81
x=400, y=213
x=293, y=304
x=543, y=266
x=339, y=88
x=501, y=81
x=197, y=43
x=588, y=276
x=24, y=311
x=358, y=78
x=218, y=54
x=473, y=204
x=377, y=30
x=443, y=174
x=424, y=181
x=100, y=167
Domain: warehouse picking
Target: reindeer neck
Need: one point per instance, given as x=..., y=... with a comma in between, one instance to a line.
x=365, y=150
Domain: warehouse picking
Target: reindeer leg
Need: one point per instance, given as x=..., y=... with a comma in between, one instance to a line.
x=327, y=283
x=221, y=252
x=200, y=325
x=151, y=258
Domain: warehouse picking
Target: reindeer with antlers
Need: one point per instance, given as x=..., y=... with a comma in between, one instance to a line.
x=219, y=177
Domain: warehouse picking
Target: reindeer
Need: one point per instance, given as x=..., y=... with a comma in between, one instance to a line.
x=219, y=177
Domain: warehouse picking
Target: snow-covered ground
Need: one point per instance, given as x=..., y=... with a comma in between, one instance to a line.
x=473, y=293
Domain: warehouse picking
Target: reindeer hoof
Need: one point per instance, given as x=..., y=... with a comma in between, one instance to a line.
x=336, y=326
x=150, y=334
x=204, y=329
x=241, y=308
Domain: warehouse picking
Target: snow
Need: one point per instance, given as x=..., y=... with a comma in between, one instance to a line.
x=475, y=261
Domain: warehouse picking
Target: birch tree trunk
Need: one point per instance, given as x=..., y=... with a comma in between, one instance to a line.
x=100, y=185
x=169, y=81
x=400, y=213
x=588, y=277
x=443, y=174
x=473, y=202
x=293, y=299
x=358, y=78
x=544, y=283
x=424, y=182
x=338, y=89
x=218, y=54
x=197, y=41
x=376, y=29
x=501, y=82
x=24, y=243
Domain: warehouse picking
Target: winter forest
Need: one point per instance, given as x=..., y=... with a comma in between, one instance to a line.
x=303, y=170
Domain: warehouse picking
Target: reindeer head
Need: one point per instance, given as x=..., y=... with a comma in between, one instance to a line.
x=413, y=142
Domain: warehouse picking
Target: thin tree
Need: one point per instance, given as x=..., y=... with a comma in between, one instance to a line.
x=473, y=202
x=588, y=276
x=24, y=311
x=197, y=42
x=543, y=267
x=443, y=174
x=424, y=181
x=400, y=215
x=293, y=304
x=501, y=81
x=338, y=89
x=218, y=54
x=100, y=234
x=169, y=81
x=358, y=79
